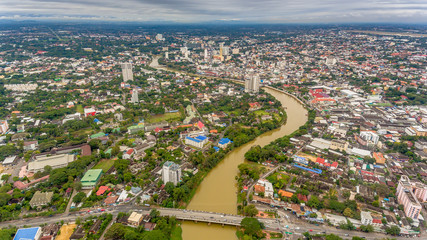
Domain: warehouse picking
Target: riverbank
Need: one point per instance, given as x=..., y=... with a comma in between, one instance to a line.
x=218, y=190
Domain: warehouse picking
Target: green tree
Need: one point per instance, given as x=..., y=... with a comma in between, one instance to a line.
x=116, y=231
x=79, y=197
x=250, y=210
x=348, y=213
x=154, y=235
x=314, y=202
x=252, y=226
x=367, y=228
x=393, y=230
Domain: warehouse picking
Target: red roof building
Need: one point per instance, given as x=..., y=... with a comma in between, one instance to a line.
x=102, y=190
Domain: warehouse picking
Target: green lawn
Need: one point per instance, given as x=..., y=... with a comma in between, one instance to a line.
x=79, y=108
x=105, y=165
x=176, y=233
x=164, y=117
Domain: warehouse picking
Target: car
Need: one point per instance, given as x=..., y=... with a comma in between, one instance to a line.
x=310, y=230
x=297, y=228
x=346, y=234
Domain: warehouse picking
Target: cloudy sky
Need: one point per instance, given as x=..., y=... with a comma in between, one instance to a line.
x=272, y=11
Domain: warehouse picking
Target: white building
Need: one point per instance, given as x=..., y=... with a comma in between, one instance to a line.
x=159, y=37
x=4, y=127
x=252, y=84
x=198, y=141
x=127, y=72
x=366, y=218
x=37, y=163
x=370, y=136
x=171, y=172
x=134, y=98
x=268, y=187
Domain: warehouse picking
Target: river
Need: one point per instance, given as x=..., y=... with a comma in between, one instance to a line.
x=217, y=192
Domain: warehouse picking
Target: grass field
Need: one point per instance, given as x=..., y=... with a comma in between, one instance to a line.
x=176, y=233
x=79, y=108
x=105, y=165
x=164, y=117
x=66, y=231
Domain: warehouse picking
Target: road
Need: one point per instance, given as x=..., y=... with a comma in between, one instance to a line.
x=286, y=223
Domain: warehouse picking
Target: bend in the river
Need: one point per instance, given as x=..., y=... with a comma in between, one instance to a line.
x=217, y=192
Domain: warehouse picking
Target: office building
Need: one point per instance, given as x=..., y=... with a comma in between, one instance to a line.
x=171, y=172
x=127, y=72
x=406, y=197
x=134, y=98
x=252, y=83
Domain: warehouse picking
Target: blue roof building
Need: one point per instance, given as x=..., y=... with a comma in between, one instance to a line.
x=216, y=149
x=198, y=141
x=223, y=142
x=314, y=170
x=28, y=234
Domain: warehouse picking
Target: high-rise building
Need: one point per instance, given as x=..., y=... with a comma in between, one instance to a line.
x=159, y=37
x=221, y=49
x=407, y=198
x=4, y=127
x=134, y=98
x=171, y=172
x=206, y=54
x=127, y=72
x=166, y=55
x=225, y=51
x=252, y=83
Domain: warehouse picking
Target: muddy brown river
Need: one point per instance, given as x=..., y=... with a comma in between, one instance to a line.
x=217, y=192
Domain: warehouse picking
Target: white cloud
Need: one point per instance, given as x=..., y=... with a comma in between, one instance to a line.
x=201, y=10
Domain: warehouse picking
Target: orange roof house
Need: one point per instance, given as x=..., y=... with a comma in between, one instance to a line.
x=259, y=189
x=379, y=158
x=285, y=193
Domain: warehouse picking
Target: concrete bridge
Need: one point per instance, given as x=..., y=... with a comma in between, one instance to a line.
x=212, y=217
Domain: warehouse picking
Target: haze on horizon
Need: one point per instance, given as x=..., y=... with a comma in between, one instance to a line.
x=194, y=11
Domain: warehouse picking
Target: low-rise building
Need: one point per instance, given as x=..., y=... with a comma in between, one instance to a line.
x=135, y=219
x=224, y=142
x=28, y=234
x=41, y=199
x=267, y=186
x=366, y=218
x=198, y=141
x=91, y=178
x=38, y=162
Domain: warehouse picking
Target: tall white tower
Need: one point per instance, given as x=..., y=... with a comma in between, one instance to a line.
x=252, y=83
x=134, y=98
x=166, y=55
x=206, y=54
x=127, y=72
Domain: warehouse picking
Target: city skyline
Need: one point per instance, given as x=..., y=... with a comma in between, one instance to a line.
x=187, y=11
